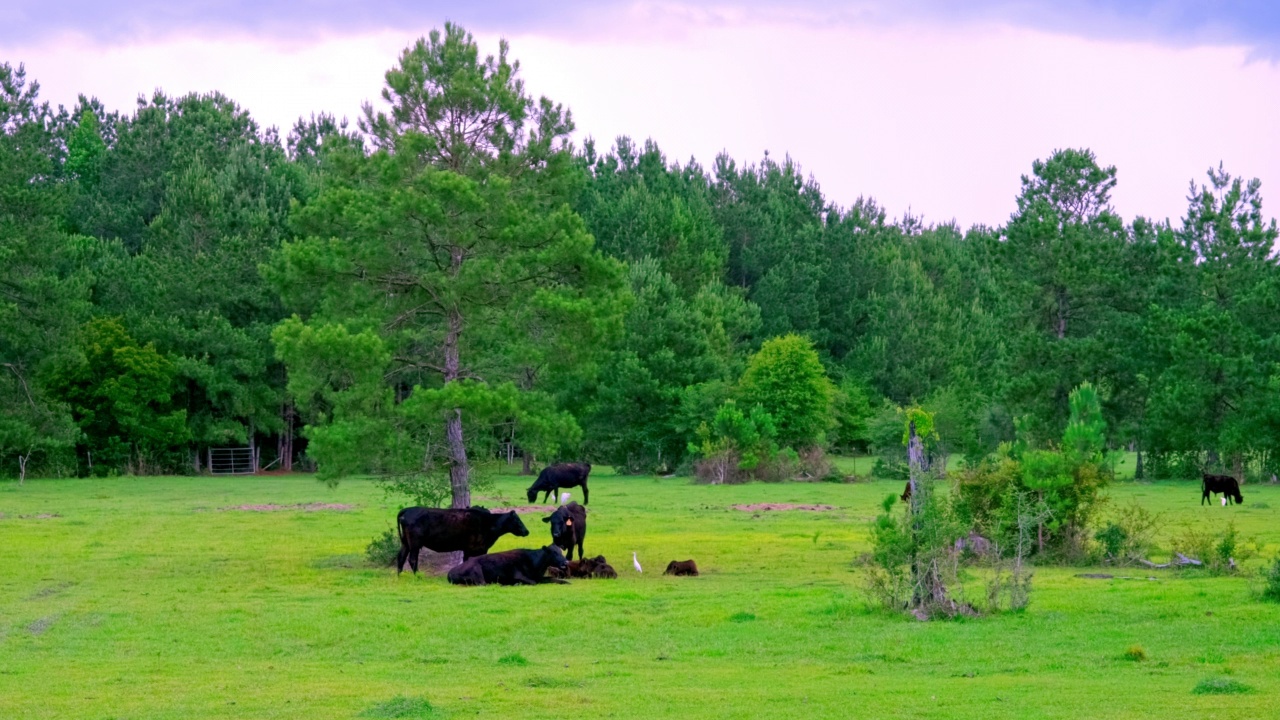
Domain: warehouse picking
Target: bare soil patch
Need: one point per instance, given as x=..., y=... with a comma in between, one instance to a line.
x=526, y=509
x=36, y=516
x=302, y=507
x=757, y=507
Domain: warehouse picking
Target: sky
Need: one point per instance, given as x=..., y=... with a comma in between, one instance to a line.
x=933, y=107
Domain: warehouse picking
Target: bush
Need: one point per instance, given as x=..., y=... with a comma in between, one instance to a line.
x=1271, y=580
x=1219, y=551
x=1127, y=537
x=787, y=379
x=383, y=549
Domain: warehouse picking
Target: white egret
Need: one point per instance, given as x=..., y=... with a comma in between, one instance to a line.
x=564, y=498
x=636, y=562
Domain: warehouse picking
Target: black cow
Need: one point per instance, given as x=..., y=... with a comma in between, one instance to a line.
x=596, y=567
x=564, y=475
x=568, y=528
x=1224, y=484
x=682, y=567
x=512, y=567
x=471, y=530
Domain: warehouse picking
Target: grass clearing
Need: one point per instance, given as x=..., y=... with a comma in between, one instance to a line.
x=138, y=598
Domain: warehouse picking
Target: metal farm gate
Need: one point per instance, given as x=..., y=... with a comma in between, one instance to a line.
x=233, y=461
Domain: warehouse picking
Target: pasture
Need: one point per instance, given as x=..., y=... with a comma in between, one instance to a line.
x=171, y=597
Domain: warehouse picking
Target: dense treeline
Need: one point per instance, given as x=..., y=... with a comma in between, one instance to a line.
x=400, y=296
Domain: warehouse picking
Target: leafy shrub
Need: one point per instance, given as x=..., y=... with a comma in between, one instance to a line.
x=1128, y=535
x=383, y=549
x=787, y=379
x=1219, y=551
x=1271, y=582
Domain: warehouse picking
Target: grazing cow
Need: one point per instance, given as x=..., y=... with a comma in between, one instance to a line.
x=596, y=567
x=681, y=567
x=511, y=567
x=568, y=527
x=564, y=475
x=471, y=530
x=1224, y=484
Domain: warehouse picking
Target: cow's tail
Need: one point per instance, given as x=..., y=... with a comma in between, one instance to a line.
x=403, y=555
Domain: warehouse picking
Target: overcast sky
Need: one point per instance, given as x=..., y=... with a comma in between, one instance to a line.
x=937, y=106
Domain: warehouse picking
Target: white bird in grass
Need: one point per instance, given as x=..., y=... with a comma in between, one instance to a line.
x=564, y=498
x=636, y=562
x=1224, y=501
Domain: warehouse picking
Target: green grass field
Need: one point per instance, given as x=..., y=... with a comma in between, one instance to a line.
x=144, y=598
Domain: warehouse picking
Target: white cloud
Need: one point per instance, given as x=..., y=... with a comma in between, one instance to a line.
x=943, y=120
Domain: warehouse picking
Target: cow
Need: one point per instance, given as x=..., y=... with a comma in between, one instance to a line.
x=472, y=530
x=682, y=567
x=1224, y=484
x=511, y=567
x=906, y=493
x=563, y=475
x=596, y=567
x=568, y=527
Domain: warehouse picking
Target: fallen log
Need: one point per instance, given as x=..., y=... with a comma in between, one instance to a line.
x=1180, y=561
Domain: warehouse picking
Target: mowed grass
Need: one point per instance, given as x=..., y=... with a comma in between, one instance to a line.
x=142, y=598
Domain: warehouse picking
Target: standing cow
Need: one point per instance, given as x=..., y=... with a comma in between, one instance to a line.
x=568, y=527
x=563, y=475
x=471, y=530
x=1224, y=484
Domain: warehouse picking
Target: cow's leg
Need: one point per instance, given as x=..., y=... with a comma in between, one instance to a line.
x=580, y=554
x=1204, y=494
x=401, y=557
x=586, y=498
x=522, y=579
x=414, y=551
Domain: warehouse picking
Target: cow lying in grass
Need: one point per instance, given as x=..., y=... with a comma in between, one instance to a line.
x=682, y=567
x=564, y=475
x=512, y=567
x=471, y=530
x=596, y=567
x=568, y=528
x=1224, y=484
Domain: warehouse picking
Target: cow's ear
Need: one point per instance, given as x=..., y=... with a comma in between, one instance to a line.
x=546, y=519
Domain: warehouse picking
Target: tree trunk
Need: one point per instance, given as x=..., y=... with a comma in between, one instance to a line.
x=286, y=440
x=22, y=468
x=1062, y=314
x=1237, y=467
x=527, y=467
x=459, y=469
x=1138, y=471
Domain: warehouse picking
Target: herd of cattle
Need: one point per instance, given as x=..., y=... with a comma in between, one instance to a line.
x=472, y=531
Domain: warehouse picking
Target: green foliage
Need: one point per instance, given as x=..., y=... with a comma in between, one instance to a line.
x=383, y=549
x=787, y=379
x=474, y=277
x=1128, y=535
x=43, y=291
x=735, y=442
x=121, y=396
x=1271, y=582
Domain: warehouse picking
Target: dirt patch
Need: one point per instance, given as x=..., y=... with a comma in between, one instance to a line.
x=1095, y=576
x=300, y=507
x=39, y=627
x=757, y=507
x=36, y=516
x=527, y=509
